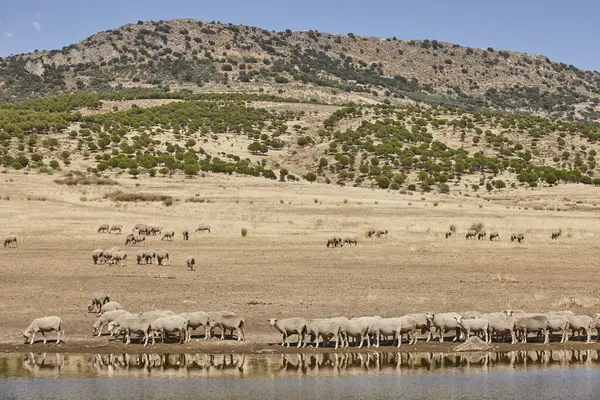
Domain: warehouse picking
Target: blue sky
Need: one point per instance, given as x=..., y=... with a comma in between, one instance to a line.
x=565, y=31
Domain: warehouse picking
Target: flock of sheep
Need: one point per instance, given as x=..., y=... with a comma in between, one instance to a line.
x=513, y=325
x=117, y=256
x=148, y=324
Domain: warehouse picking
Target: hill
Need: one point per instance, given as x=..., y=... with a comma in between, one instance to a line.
x=196, y=55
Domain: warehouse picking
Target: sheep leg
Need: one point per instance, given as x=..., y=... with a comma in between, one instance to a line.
x=399, y=338
x=44, y=336
x=35, y=333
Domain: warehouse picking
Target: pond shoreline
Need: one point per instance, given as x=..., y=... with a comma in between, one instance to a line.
x=200, y=346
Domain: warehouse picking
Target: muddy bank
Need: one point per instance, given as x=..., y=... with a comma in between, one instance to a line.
x=215, y=346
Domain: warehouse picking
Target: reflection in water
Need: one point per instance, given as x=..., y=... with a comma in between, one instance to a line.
x=285, y=365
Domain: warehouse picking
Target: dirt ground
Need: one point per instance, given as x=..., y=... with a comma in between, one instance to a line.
x=283, y=268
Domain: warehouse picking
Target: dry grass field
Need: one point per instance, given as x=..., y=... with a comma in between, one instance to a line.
x=283, y=268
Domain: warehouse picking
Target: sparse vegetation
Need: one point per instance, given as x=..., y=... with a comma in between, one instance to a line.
x=244, y=232
x=135, y=197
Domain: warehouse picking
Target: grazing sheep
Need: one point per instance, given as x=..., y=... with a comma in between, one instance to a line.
x=558, y=323
x=161, y=256
x=140, y=257
x=334, y=241
x=105, y=319
x=556, y=234
x=290, y=326
x=119, y=258
x=481, y=235
x=137, y=227
x=519, y=237
x=448, y=234
x=203, y=227
x=144, y=231
x=423, y=324
x=195, y=320
x=149, y=256
x=230, y=322
x=371, y=323
x=325, y=329
x=190, y=262
x=478, y=325
x=98, y=256
x=109, y=306
x=115, y=229
x=351, y=240
x=98, y=300
x=471, y=234
x=154, y=230
x=107, y=254
x=186, y=235
x=395, y=327
x=494, y=236
x=131, y=324
x=103, y=228
x=370, y=233
x=10, y=240
x=380, y=233
x=171, y=324
x=43, y=325
x=168, y=235
x=129, y=239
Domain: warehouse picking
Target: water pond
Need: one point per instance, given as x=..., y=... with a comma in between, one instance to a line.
x=551, y=374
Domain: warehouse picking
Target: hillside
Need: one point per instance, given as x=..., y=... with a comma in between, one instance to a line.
x=396, y=147
x=199, y=56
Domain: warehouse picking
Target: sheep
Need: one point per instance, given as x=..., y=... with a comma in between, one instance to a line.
x=203, y=227
x=98, y=256
x=359, y=330
x=186, y=235
x=351, y=240
x=578, y=323
x=129, y=239
x=478, y=325
x=10, y=241
x=371, y=323
x=131, y=324
x=325, y=329
x=556, y=234
x=195, y=320
x=471, y=234
x=214, y=315
x=149, y=256
x=171, y=324
x=119, y=258
x=494, y=236
x=168, y=235
x=501, y=326
x=190, y=262
x=109, y=306
x=115, y=229
x=290, y=326
x=423, y=324
x=105, y=319
x=231, y=322
x=43, y=325
x=140, y=257
x=154, y=230
x=557, y=323
x=107, y=254
x=103, y=228
x=444, y=322
x=98, y=300
x=448, y=234
x=162, y=255
x=481, y=235
x=380, y=233
x=519, y=237
x=536, y=323
x=396, y=327
x=334, y=241
x=370, y=233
